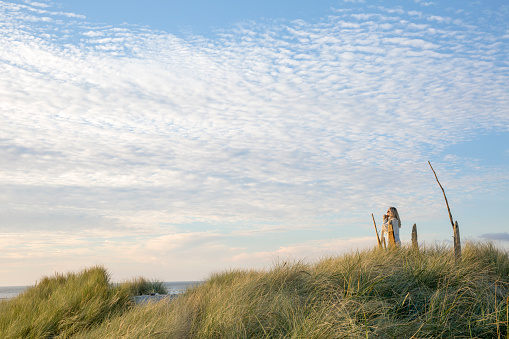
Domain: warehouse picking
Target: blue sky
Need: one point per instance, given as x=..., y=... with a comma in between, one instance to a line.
x=175, y=139
x=196, y=15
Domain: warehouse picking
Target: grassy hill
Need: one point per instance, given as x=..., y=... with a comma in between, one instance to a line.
x=376, y=293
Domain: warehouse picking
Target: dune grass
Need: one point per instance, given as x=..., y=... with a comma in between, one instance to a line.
x=400, y=293
x=64, y=305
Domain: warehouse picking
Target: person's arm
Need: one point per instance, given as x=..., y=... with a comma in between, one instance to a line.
x=385, y=223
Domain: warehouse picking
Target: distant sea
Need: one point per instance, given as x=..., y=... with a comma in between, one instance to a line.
x=173, y=287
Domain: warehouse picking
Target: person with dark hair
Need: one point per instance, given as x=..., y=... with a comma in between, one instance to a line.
x=391, y=226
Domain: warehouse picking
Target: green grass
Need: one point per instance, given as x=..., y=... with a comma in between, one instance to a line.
x=64, y=305
x=400, y=293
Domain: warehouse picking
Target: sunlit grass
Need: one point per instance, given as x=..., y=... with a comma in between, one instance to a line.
x=400, y=293
x=67, y=304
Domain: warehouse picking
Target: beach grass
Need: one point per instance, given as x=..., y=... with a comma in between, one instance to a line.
x=64, y=305
x=400, y=293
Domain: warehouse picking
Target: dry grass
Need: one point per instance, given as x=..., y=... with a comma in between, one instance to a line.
x=370, y=294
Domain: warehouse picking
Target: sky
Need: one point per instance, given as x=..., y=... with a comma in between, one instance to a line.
x=175, y=139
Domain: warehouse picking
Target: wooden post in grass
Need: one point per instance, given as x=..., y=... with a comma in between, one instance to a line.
x=415, y=245
x=382, y=235
x=377, y=237
x=457, y=242
x=455, y=227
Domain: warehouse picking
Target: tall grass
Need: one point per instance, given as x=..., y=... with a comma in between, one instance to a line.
x=400, y=293
x=64, y=305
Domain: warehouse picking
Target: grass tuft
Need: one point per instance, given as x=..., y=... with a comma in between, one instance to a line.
x=141, y=286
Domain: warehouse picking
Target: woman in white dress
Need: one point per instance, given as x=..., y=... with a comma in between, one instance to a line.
x=392, y=219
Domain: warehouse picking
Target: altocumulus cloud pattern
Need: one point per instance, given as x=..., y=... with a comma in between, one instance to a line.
x=113, y=139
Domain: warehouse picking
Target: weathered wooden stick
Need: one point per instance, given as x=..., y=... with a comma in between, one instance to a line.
x=415, y=244
x=446, y=203
x=377, y=237
x=382, y=235
x=457, y=242
x=455, y=227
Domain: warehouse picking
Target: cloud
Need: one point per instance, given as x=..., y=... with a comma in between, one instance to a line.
x=424, y=3
x=276, y=106
x=495, y=236
x=37, y=4
x=93, y=34
x=414, y=43
x=308, y=251
x=35, y=7
x=298, y=124
x=439, y=19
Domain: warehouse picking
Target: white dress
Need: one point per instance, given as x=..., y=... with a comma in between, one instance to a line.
x=395, y=228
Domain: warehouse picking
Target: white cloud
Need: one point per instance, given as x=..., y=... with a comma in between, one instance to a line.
x=93, y=34
x=274, y=123
x=415, y=13
x=425, y=3
x=308, y=251
x=37, y=4
x=414, y=43
x=439, y=19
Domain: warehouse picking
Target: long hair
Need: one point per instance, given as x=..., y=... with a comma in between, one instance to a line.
x=395, y=214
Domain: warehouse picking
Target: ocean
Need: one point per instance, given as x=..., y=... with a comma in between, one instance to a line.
x=173, y=287
x=7, y=292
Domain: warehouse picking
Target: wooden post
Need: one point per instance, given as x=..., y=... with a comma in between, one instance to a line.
x=382, y=235
x=377, y=237
x=457, y=242
x=415, y=245
x=455, y=227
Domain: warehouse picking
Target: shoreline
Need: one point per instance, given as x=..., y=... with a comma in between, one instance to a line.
x=152, y=298
x=174, y=288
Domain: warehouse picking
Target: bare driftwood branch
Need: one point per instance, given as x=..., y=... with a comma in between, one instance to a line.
x=455, y=227
x=446, y=202
x=377, y=237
